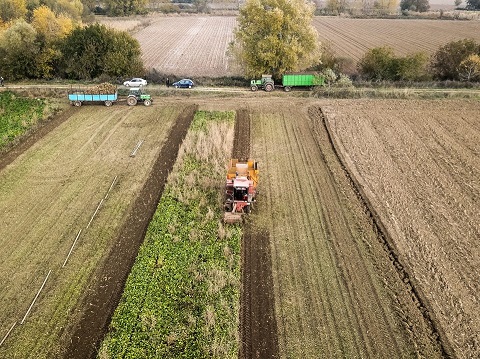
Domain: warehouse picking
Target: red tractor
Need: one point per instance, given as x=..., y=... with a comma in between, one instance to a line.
x=240, y=189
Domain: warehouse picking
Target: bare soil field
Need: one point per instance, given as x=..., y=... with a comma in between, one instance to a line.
x=338, y=292
x=78, y=177
x=193, y=46
x=188, y=46
x=420, y=169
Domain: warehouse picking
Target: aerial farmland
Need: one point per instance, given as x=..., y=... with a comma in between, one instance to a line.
x=363, y=241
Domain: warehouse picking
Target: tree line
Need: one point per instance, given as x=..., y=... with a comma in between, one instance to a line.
x=456, y=60
x=49, y=41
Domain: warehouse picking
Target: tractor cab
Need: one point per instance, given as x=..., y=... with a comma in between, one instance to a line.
x=137, y=94
x=266, y=83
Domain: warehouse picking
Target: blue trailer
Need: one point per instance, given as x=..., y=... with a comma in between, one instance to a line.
x=77, y=97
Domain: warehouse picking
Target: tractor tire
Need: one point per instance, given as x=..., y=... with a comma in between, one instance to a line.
x=77, y=103
x=254, y=88
x=287, y=88
x=147, y=102
x=108, y=103
x=269, y=87
x=131, y=101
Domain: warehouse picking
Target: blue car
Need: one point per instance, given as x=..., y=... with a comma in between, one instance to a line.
x=185, y=83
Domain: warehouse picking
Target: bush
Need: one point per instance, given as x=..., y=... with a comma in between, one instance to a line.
x=445, y=63
x=380, y=63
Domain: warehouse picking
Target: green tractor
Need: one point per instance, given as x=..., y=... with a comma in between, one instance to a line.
x=266, y=83
x=137, y=95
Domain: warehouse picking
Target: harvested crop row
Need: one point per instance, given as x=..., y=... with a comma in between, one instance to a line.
x=419, y=168
x=181, y=298
x=337, y=294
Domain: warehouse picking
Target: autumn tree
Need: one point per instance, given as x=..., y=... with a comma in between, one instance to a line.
x=125, y=7
x=12, y=9
x=385, y=7
x=445, y=63
x=275, y=36
x=50, y=30
x=380, y=63
x=415, y=5
x=18, y=50
x=469, y=69
x=96, y=50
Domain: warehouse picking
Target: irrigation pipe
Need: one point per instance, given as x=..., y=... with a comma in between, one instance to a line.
x=93, y=215
x=134, y=152
x=34, y=299
x=8, y=333
x=71, y=249
x=111, y=186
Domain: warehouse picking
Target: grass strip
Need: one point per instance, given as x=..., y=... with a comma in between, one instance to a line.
x=17, y=115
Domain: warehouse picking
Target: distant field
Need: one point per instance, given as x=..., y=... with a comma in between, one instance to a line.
x=193, y=46
x=351, y=38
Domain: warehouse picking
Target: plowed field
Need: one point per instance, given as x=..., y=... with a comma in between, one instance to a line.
x=420, y=168
x=193, y=46
x=188, y=46
x=351, y=38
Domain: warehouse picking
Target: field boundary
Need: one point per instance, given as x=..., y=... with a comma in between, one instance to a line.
x=386, y=240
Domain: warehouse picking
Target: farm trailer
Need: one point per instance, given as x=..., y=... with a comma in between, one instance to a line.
x=288, y=81
x=78, y=97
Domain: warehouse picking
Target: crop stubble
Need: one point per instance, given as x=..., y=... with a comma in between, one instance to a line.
x=337, y=293
x=47, y=194
x=420, y=169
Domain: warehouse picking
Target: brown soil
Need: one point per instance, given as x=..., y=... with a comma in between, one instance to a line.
x=258, y=326
x=106, y=290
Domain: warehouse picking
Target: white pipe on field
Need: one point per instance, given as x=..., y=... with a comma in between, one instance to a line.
x=134, y=152
x=71, y=249
x=8, y=333
x=34, y=299
x=111, y=186
x=91, y=219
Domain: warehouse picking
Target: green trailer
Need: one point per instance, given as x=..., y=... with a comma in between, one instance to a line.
x=288, y=81
x=301, y=80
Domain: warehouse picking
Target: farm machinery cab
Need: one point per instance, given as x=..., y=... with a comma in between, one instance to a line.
x=240, y=189
x=136, y=95
x=265, y=83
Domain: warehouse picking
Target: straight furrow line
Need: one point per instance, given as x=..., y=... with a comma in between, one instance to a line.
x=383, y=237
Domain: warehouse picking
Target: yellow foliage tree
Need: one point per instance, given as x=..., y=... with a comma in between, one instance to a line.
x=12, y=10
x=469, y=69
x=275, y=36
x=49, y=26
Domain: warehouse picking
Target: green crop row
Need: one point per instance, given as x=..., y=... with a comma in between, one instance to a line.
x=17, y=115
x=181, y=299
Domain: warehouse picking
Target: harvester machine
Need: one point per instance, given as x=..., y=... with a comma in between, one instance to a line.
x=240, y=189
